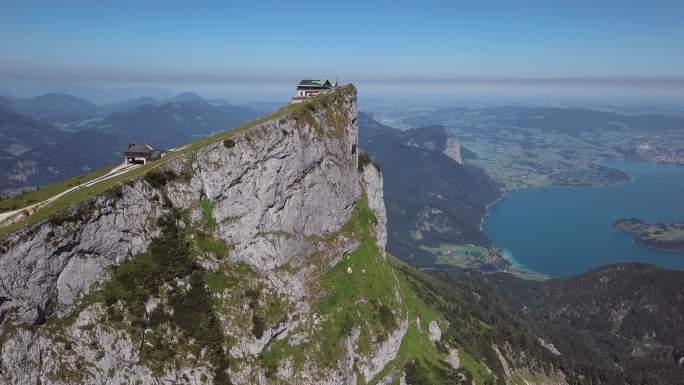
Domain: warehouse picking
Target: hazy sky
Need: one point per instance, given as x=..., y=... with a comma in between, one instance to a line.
x=373, y=42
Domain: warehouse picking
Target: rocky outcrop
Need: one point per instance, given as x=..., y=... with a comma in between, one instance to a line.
x=549, y=346
x=371, y=180
x=453, y=149
x=58, y=259
x=453, y=359
x=503, y=361
x=384, y=353
x=435, y=333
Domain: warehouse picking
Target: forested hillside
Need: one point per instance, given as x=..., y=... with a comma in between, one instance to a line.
x=431, y=198
x=619, y=324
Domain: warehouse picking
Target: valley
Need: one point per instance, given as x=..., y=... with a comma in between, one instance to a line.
x=532, y=147
x=548, y=162
x=432, y=198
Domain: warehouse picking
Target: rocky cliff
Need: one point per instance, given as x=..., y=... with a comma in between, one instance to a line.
x=230, y=263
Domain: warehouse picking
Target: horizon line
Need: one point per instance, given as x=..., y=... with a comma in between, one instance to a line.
x=117, y=77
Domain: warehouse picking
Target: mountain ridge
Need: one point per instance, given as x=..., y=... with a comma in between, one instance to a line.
x=57, y=108
x=432, y=198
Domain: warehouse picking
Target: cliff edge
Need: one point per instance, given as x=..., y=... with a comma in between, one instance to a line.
x=207, y=262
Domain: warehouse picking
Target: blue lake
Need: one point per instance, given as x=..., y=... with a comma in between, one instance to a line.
x=567, y=231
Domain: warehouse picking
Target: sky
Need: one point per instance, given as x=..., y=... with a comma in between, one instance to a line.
x=429, y=44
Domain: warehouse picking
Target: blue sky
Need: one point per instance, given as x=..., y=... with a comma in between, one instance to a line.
x=374, y=42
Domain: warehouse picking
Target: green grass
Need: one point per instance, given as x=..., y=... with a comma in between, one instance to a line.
x=188, y=308
x=76, y=197
x=464, y=256
x=477, y=370
x=35, y=196
x=84, y=194
x=416, y=306
x=217, y=281
x=231, y=282
x=416, y=346
x=208, y=214
x=518, y=380
x=357, y=298
x=417, y=352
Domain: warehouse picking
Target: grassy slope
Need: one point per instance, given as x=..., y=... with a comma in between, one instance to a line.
x=35, y=196
x=84, y=194
x=355, y=298
x=416, y=346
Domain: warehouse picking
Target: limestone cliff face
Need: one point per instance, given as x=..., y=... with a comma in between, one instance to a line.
x=264, y=224
x=371, y=178
x=453, y=149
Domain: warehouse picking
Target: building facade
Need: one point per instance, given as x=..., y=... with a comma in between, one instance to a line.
x=309, y=88
x=140, y=154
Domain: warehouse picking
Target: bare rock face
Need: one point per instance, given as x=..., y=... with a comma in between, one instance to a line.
x=453, y=359
x=385, y=353
x=435, y=333
x=549, y=346
x=58, y=259
x=278, y=195
x=279, y=185
x=503, y=361
x=453, y=149
x=371, y=180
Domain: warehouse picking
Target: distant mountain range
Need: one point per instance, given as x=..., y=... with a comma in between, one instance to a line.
x=131, y=104
x=431, y=198
x=263, y=107
x=566, y=120
x=174, y=123
x=21, y=133
x=36, y=151
x=57, y=108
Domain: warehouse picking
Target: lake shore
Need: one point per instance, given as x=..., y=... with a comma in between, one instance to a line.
x=661, y=236
x=589, y=248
